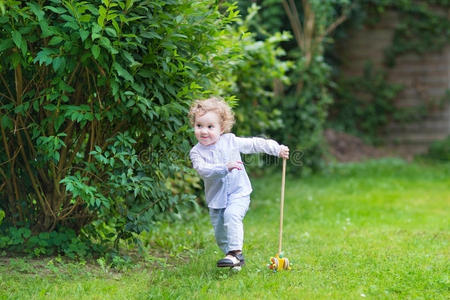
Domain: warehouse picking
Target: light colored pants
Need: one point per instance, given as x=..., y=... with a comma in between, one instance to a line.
x=228, y=226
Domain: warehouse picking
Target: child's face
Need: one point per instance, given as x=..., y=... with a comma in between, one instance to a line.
x=208, y=128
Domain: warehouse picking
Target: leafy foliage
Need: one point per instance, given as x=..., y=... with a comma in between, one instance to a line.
x=439, y=150
x=364, y=105
x=296, y=115
x=93, y=110
x=270, y=18
x=423, y=25
x=65, y=241
x=253, y=74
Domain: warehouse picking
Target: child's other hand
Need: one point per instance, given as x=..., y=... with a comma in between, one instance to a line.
x=284, y=152
x=235, y=165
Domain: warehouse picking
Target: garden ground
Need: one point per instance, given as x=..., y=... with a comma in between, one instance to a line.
x=376, y=229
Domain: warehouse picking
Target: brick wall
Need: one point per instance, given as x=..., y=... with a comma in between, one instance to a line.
x=424, y=77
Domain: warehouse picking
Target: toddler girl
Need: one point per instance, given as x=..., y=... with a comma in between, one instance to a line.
x=217, y=159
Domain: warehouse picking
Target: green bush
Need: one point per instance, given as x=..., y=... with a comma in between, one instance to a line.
x=298, y=112
x=62, y=241
x=93, y=104
x=439, y=150
x=304, y=115
x=250, y=77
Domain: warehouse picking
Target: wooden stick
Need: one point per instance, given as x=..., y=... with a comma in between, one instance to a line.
x=283, y=179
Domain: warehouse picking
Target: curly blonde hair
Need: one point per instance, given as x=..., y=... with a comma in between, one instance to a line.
x=217, y=105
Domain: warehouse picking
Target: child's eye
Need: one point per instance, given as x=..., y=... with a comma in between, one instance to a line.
x=210, y=126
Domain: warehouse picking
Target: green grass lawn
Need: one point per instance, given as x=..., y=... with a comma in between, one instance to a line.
x=378, y=229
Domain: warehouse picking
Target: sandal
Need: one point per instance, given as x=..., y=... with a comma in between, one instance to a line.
x=231, y=260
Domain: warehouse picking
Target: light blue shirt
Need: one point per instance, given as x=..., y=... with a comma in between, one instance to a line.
x=210, y=162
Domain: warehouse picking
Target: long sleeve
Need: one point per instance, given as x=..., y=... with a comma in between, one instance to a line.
x=211, y=161
x=258, y=145
x=207, y=170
